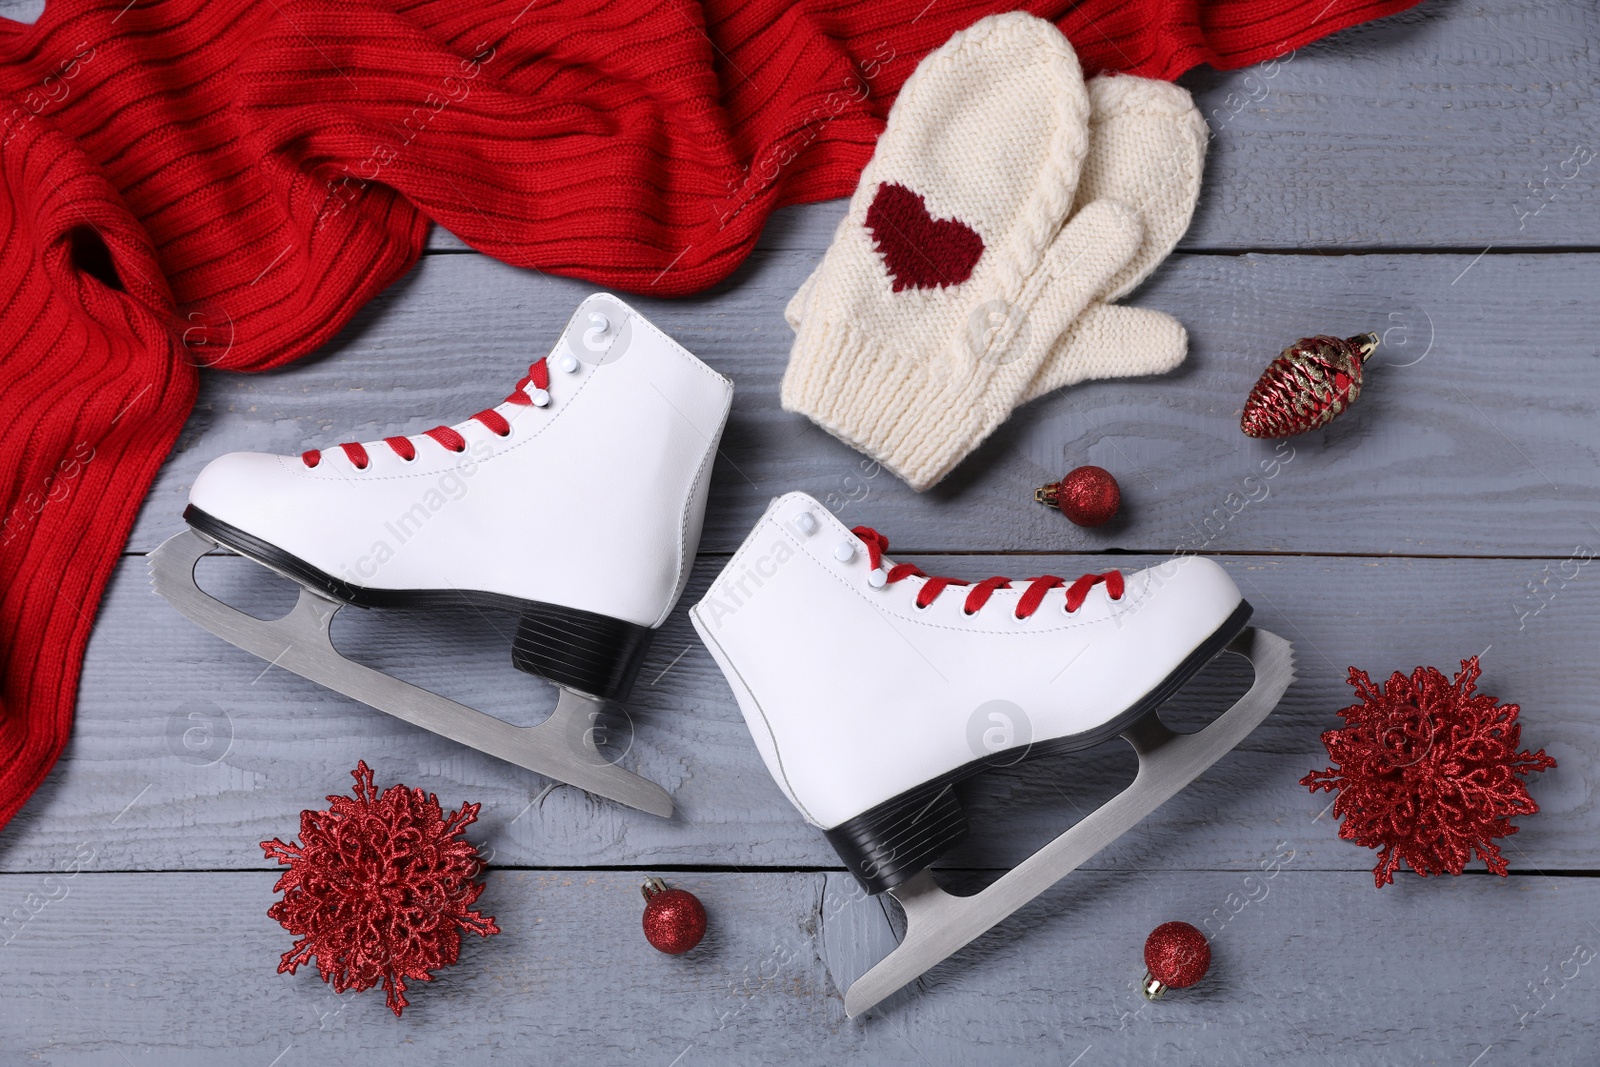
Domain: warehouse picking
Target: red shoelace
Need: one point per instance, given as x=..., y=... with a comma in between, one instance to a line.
x=979, y=594
x=538, y=377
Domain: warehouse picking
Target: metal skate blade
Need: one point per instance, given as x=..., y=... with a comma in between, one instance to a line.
x=939, y=924
x=561, y=747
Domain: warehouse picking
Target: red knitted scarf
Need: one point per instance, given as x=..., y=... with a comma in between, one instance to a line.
x=224, y=182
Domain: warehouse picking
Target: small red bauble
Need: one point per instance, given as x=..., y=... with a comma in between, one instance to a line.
x=1089, y=496
x=1176, y=955
x=674, y=920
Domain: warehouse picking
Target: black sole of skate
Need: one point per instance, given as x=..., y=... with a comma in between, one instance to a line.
x=888, y=844
x=580, y=650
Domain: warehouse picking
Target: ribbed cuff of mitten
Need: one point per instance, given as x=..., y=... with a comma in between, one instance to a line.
x=884, y=403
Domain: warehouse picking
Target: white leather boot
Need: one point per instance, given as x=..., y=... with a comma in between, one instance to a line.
x=871, y=688
x=577, y=501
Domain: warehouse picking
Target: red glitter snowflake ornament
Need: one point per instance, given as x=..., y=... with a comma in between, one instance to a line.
x=1428, y=772
x=380, y=889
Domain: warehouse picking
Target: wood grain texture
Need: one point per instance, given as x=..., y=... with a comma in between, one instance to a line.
x=21, y=10
x=1304, y=972
x=210, y=752
x=1483, y=392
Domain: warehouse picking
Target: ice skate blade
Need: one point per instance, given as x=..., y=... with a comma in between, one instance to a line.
x=561, y=747
x=939, y=924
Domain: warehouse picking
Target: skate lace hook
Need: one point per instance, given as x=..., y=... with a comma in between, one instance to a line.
x=538, y=377
x=979, y=594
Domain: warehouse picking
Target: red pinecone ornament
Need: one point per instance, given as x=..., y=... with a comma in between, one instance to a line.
x=1310, y=383
x=379, y=889
x=1428, y=772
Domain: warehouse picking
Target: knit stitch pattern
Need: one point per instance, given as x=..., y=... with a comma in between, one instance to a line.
x=991, y=131
x=918, y=250
x=1147, y=146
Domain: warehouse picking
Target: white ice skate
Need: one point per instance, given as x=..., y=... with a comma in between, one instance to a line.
x=576, y=502
x=872, y=689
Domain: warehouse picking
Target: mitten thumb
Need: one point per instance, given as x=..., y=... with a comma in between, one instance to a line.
x=1079, y=263
x=795, y=311
x=1111, y=341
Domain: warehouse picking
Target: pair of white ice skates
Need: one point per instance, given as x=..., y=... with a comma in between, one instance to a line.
x=871, y=689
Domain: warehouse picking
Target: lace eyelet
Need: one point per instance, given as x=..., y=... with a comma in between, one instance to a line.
x=919, y=605
x=1020, y=619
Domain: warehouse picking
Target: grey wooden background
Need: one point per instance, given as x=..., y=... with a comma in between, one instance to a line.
x=1431, y=177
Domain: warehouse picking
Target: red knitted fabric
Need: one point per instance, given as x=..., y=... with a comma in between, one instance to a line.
x=224, y=182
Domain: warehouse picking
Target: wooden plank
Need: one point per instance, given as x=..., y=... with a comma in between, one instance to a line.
x=1307, y=970
x=1445, y=126
x=1483, y=392
x=188, y=752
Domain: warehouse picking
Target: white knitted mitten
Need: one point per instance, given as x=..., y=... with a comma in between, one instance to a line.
x=1147, y=146
x=955, y=271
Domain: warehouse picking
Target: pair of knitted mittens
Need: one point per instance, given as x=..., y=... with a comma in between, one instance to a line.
x=1007, y=205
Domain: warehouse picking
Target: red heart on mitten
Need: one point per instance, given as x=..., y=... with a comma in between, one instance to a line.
x=921, y=252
